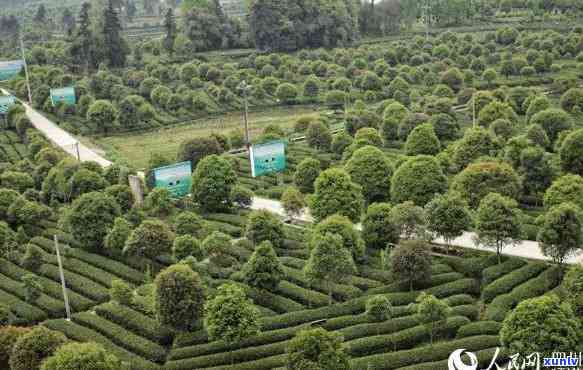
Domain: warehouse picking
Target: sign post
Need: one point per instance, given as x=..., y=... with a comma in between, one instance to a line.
x=177, y=178
x=65, y=95
x=6, y=102
x=10, y=68
x=267, y=158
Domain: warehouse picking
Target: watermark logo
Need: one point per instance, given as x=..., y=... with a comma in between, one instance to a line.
x=458, y=360
x=455, y=361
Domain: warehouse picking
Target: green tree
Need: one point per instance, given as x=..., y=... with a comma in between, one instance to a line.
x=195, y=149
x=560, y=234
x=121, y=292
x=553, y=121
x=498, y=222
x=411, y=262
x=32, y=287
x=33, y=258
x=32, y=348
x=378, y=227
x=117, y=236
x=287, y=93
x=447, y=216
x=453, y=78
x=76, y=356
x=242, y=196
x=9, y=335
x=410, y=219
x=317, y=349
x=571, y=152
x=318, y=136
x=370, y=168
x=542, y=324
x=101, y=115
x=189, y=223
x=15, y=180
x=122, y=194
x=293, y=202
x=490, y=75
x=230, y=316
x=536, y=170
x=422, y=140
x=7, y=240
x=573, y=284
x=341, y=225
x=90, y=217
x=217, y=245
x=418, y=180
x=478, y=179
x=212, y=183
x=379, y=308
x=170, y=29
x=329, y=261
x=158, y=202
x=263, y=269
x=263, y=225
x=336, y=193
x=306, y=173
x=186, y=245
x=151, y=239
x=496, y=110
x=116, y=48
x=432, y=312
x=179, y=297
x=572, y=100
x=568, y=188
x=7, y=197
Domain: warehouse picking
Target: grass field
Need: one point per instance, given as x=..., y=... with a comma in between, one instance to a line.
x=136, y=148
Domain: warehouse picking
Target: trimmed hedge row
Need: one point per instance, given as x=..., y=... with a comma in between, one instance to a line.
x=84, y=269
x=403, y=339
x=135, y=321
x=53, y=307
x=82, y=334
x=264, y=338
x=484, y=358
x=435, y=280
x=22, y=309
x=262, y=364
x=118, y=335
x=479, y=328
x=375, y=274
x=507, y=282
x=340, y=292
x=114, y=267
x=228, y=218
x=78, y=283
x=502, y=304
x=63, y=237
x=51, y=288
x=228, y=229
x=272, y=301
x=495, y=272
x=471, y=267
x=307, y=297
x=292, y=262
x=439, y=351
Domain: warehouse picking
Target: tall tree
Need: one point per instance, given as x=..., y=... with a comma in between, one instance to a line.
x=263, y=270
x=411, y=262
x=170, y=28
x=116, y=48
x=447, y=216
x=432, y=312
x=497, y=222
x=560, y=235
x=68, y=21
x=41, y=15
x=317, y=349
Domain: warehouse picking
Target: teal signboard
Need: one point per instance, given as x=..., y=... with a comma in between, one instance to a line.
x=6, y=102
x=64, y=95
x=9, y=69
x=267, y=158
x=177, y=178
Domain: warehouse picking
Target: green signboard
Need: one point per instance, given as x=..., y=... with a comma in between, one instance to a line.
x=6, y=102
x=267, y=158
x=177, y=178
x=64, y=95
x=9, y=69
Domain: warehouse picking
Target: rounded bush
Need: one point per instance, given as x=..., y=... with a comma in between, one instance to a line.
x=418, y=180
x=32, y=348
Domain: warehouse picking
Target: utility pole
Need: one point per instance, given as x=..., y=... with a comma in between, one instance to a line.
x=244, y=88
x=426, y=8
x=65, y=296
x=77, y=151
x=474, y=110
x=26, y=71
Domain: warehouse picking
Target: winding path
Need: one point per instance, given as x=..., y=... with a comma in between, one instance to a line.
x=61, y=138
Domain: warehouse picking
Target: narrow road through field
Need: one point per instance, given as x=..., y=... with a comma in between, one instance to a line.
x=61, y=138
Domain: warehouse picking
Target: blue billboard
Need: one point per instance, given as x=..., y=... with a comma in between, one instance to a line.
x=177, y=178
x=267, y=158
x=9, y=69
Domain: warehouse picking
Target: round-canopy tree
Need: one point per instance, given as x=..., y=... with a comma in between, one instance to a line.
x=568, y=188
x=263, y=269
x=336, y=193
x=410, y=261
x=77, y=356
x=212, y=183
x=496, y=110
x=317, y=349
x=342, y=226
x=553, y=121
x=31, y=349
x=560, y=234
x=151, y=239
x=178, y=297
x=378, y=227
x=571, y=152
x=447, y=216
x=90, y=218
x=306, y=173
x=418, y=180
x=263, y=225
x=195, y=149
x=541, y=324
x=370, y=168
x=479, y=179
x=422, y=140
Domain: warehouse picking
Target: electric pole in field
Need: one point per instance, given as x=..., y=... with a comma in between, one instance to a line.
x=65, y=296
x=244, y=88
x=26, y=71
x=474, y=110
